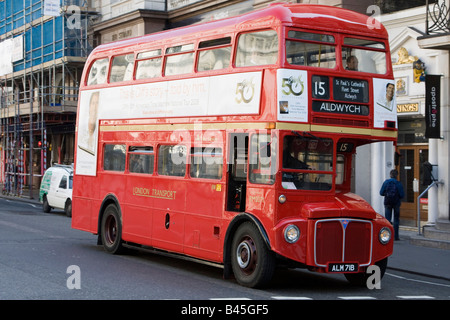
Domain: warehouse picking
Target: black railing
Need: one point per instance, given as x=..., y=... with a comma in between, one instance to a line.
x=438, y=17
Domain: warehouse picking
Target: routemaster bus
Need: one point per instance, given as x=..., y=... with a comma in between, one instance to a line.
x=233, y=142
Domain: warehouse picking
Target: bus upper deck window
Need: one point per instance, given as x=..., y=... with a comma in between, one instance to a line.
x=179, y=63
x=122, y=68
x=98, y=72
x=257, y=49
x=214, y=57
x=310, y=49
x=364, y=55
x=151, y=66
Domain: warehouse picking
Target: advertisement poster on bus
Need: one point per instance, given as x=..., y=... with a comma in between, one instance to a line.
x=292, y=95
x=385, y=106
x=233, y=94
x=88, y=133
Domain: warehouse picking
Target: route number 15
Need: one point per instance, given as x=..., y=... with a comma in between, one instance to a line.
x=320, y=87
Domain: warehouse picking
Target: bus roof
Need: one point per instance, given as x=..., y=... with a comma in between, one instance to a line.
x=314, y=17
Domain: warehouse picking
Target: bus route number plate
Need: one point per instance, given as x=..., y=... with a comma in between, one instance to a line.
x=342, y=267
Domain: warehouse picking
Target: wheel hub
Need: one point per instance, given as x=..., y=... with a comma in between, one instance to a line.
x=246, y=255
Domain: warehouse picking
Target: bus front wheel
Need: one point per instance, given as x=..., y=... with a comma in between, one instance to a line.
x=111, y=230
x=253, y=263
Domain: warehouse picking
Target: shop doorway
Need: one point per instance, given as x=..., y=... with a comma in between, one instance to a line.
x=410, y=168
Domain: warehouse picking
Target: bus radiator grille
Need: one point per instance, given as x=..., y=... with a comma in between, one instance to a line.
x=343, y=240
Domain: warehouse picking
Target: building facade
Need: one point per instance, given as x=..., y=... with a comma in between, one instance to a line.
x=39, y=88
x=43, y=47
x=412, y=62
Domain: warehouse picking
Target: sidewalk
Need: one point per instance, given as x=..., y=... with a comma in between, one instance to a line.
x=407, y=257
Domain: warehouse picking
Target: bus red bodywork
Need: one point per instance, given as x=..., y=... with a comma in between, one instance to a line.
x=244, y=207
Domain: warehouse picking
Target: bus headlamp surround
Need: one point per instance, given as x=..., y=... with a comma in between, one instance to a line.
x=385, y=235
x=291, y=233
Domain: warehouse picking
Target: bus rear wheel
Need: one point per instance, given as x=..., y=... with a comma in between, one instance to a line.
x=111, y=230
x=252, y=261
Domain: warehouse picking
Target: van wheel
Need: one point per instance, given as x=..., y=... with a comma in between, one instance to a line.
x=111, y=230
x=45, y=206
x=68, y=208
x=252, y=261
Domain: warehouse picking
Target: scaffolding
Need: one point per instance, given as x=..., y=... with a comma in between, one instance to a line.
x=38, y=97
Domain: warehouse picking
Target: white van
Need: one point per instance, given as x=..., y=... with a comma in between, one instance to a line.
x=56, y=189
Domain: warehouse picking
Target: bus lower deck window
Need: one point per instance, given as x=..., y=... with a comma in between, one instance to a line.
x=206, y=163
x=172, y=160
x=114, y=157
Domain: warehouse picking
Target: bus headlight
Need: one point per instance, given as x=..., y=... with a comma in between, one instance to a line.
x=385, y=235
x=291, y=233
x=282, y=198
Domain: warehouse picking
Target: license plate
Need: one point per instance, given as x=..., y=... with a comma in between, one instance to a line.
x=342, y=267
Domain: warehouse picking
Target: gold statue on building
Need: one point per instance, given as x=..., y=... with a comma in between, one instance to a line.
x=404, y=57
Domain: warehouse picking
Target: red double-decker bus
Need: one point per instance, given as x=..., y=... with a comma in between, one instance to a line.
x=233, y=142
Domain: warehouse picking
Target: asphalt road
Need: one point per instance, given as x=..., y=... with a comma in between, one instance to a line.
x=43, y=258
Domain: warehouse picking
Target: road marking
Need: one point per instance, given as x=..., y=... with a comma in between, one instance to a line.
x=357, y=298
x=230, y=299
x=20, y=227
x=421, y=281
x=290, y=298
x=415, y=297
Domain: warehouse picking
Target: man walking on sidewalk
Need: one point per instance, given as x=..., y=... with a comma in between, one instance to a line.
x=392, y=190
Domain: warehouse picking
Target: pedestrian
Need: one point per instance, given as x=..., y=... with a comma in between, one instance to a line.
x=392, y=190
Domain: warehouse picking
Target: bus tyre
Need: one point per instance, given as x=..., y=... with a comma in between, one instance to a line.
x=252, y=261
x=360, y=279
x=111, y=230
